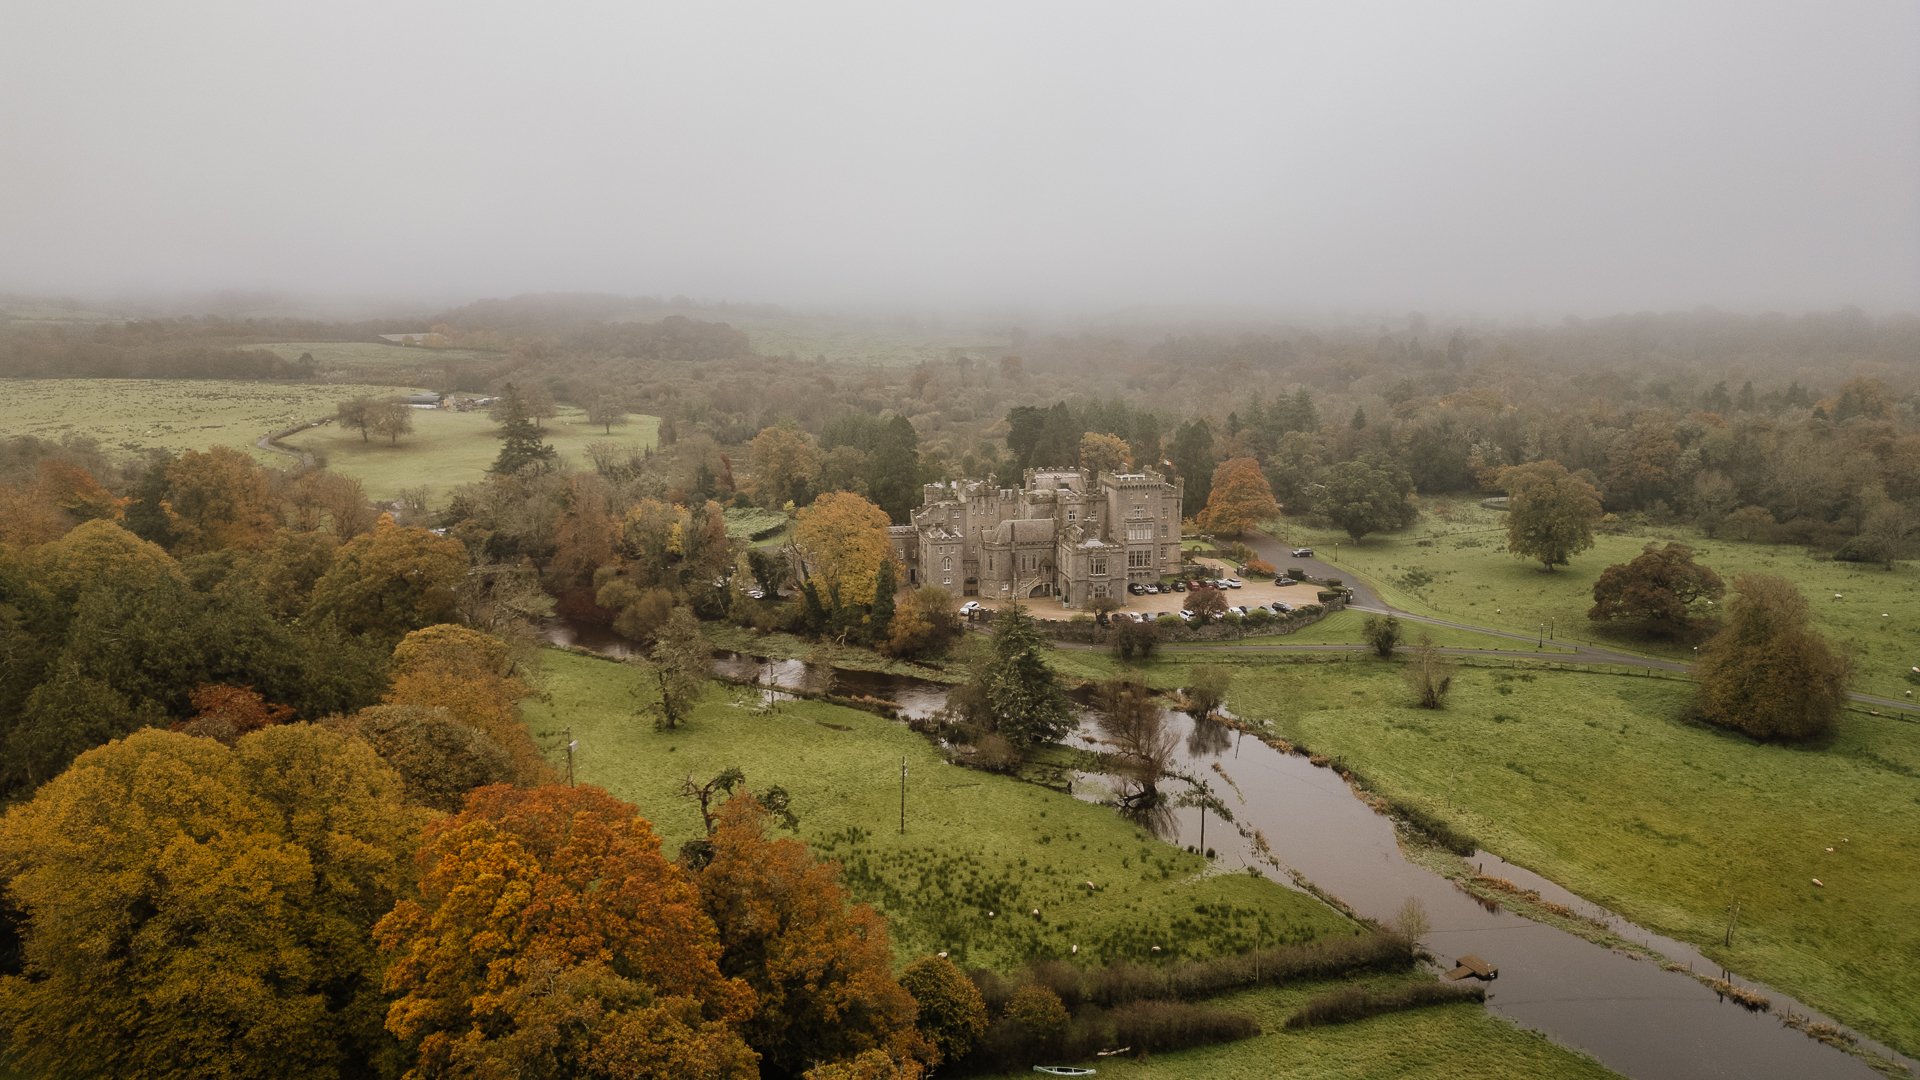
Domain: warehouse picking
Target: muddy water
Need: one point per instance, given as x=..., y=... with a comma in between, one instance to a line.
x=1636, y=1019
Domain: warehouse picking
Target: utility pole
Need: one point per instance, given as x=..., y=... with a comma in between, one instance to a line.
x=903, y=796
x=570, y=745
x=1203, y=830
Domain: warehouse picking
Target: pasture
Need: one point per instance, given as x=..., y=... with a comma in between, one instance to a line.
x=450, y=448
x=129, y=416
x=878, y=342
x=1467, y=575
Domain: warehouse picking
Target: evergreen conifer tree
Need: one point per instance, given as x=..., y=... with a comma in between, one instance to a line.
x=521, y=445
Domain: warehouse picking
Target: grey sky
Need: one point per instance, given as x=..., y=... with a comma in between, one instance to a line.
x=1499, y=158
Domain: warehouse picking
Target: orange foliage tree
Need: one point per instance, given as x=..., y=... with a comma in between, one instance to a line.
x=822, y=969
x=219, y=500
x=225, y=713
x=468, y=674
x=1241, y=498
x=551, y=935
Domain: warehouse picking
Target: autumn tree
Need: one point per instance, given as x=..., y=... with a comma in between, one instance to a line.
x=552, y=938
x=953, y=1015
x=1367, y=494
x=82, y=558
x=1427, y=674
x=219, y=500
x=842, y=540
x=1748, y=523
x=1550, y=512
x=192, y=910
x=1134, y=640
x=391, y=581
x=521, y=446
x=911, y=631
x=820, y=967
x=470, y=675
x=1661, y=588
x=439, y=758
x=785, y=466
x=1766, y=672
x=682, y=667
x=1240, y=498
x=336, y=502
x=1103, y=453
x=226, y=713
x=1206, y=604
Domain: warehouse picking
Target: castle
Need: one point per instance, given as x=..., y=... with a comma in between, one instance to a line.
x=1065, y=533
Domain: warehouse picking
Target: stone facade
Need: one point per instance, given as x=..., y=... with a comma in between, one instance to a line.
x=1064, y=533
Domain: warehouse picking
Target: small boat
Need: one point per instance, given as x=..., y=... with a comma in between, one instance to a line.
x=1062, y=1070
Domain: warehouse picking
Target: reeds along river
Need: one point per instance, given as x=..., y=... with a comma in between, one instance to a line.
x=1634, y=1017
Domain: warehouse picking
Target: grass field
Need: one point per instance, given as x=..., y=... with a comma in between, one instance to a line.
x=131, y=415
x=1467, y=575
x=450, y=448
x=338, y=355
x=1592, y=781
x=977, y=842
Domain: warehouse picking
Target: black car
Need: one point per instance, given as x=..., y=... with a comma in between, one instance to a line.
x=1136, y=589
x=1303, y=553
x=1178, y=586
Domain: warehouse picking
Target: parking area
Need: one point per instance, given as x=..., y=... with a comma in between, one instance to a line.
x=1252, y=591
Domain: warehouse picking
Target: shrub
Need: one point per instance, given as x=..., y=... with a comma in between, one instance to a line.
x=1296, y=573
x=1383, y=633
x=1351, y=1003
x=1261, y=567
x=1131, y=639
x=1037, y=1010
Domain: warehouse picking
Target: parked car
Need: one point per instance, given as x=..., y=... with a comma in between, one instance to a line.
x=1195, y=585
x=1232, y=582
x=970, y=607
x=1303, y=553
x=1136, y=589
x=1281, y=607
x=1152, y=590
x=756, y=594
x=1178, y=586
x=1284, y=580
x=1186, y=616
x=1242, y=609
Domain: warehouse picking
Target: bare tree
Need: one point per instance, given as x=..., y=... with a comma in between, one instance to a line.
x=392, y=419
x=1428, y=674
x=1135, y=727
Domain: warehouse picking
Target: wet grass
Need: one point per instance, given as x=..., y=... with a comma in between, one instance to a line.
x=975, y=843
x=1594, y=782
x=1466, y=575
x=449, y=448
x=1442, y=1041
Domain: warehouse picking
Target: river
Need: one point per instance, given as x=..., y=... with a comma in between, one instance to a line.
x=1635, y=1018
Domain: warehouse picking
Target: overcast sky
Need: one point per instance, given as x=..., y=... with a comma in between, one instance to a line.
x=1496, y=158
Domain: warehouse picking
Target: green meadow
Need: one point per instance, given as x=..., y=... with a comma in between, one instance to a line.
x=981, y=853
x=450, y=448
x=878, y=342
x=1466, y=575
x=1593, y=781
x=1347, y=628
x=133, y=415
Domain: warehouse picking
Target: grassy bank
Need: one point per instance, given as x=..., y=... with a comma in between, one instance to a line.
x=1444, y=1041
x=450, y=448
x=974, y=843
x=1466, y=574
x=1592, y=781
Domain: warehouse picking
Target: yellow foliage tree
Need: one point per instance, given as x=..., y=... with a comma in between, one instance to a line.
x=84, y=556
x=1104, y=453
x=785, y=465
x=391, y=580
x=843, y=539
x=219, y=500
x=469, y=674
x=197, y=911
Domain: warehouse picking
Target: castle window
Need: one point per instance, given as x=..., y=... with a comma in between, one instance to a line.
x=1099, y=566
x=1139, y=559
x=1163, y=530
x=1073, y=515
